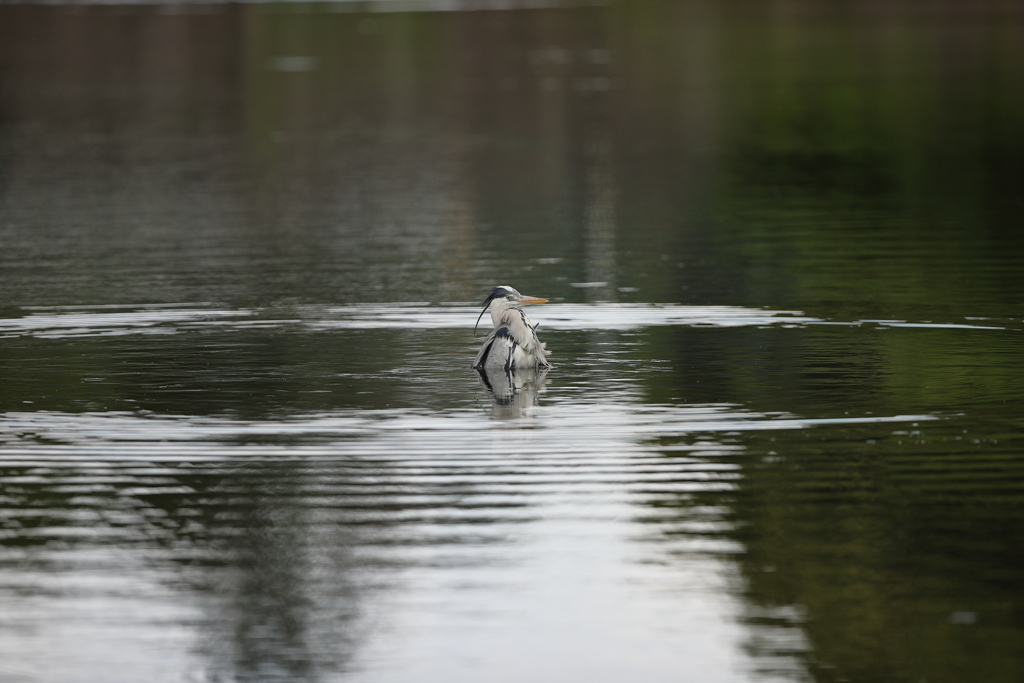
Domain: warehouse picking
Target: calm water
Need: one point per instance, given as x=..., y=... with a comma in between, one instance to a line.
x=783, y=439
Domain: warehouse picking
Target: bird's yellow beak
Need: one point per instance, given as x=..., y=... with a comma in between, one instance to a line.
x=532, y=300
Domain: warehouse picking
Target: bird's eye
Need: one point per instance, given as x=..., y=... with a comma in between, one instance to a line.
x=510, y=297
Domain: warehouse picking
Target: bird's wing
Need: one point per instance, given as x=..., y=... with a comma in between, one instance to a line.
x=503, y=343
x=485, y=350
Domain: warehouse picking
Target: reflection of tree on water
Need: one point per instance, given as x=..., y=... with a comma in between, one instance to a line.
x=839, y=552
x=513, y=392
x=288, y=604
x=263, y=588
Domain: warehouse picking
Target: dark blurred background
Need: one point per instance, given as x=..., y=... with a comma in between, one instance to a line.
x=854, y=159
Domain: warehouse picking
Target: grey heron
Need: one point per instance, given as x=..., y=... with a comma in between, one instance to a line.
x=513, y=343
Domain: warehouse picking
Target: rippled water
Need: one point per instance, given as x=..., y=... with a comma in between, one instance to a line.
x=231, y=515
x=243, y=247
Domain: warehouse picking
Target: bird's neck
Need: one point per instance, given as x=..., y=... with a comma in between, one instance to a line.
x=498, y=311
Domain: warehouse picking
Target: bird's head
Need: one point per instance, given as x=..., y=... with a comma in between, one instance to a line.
x=502, y=297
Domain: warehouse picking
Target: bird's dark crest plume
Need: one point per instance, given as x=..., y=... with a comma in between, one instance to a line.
x=495, y=293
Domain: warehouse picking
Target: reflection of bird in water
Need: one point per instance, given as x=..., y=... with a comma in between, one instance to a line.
x=513, y=392
x=513, y=343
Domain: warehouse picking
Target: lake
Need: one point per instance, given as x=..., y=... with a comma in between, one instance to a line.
x=244, y=247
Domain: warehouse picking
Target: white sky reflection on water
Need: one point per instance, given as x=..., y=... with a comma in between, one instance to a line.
x=58, y=322
x=529, y=531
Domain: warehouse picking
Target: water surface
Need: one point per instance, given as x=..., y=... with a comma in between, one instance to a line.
x=240, y=439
